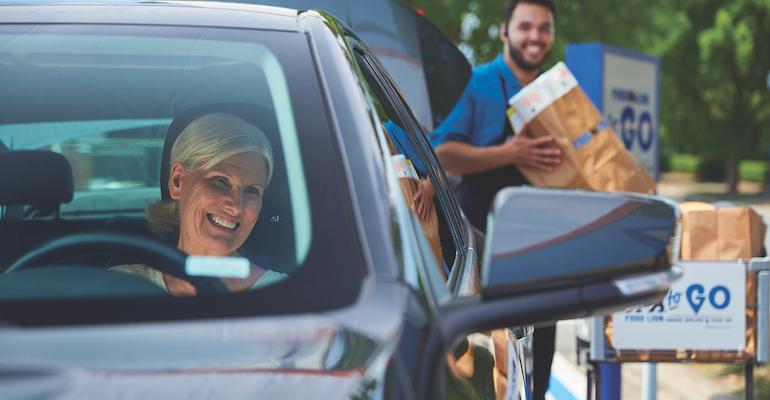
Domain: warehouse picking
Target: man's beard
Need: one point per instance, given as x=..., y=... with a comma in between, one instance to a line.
x=518, y=59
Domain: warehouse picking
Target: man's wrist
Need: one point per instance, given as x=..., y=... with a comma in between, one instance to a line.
x=502, y=155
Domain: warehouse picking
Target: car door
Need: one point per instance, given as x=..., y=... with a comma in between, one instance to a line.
x=478, y=367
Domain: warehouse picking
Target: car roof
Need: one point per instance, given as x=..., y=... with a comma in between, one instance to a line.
x=198, y=13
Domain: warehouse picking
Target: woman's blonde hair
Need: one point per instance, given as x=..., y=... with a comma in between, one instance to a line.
x=205, y=142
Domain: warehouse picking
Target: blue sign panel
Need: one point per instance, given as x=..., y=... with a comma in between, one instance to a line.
x=624, y=86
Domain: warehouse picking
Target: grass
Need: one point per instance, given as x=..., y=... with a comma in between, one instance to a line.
x=684, y=163
x=734, y=375
x=748, y=170
x=752, y=170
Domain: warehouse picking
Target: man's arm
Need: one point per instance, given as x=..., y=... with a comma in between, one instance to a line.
x=463, y=158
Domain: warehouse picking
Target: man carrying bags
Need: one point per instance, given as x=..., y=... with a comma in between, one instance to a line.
x=477, y=141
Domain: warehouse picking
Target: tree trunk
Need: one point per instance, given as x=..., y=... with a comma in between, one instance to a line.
x=766, y=183
x=732, y=174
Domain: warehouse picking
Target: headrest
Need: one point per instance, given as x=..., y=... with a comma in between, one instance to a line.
x=250, y=113
x=34, y=177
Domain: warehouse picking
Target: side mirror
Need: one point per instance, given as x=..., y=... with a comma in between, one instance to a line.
x=540, y=239
x=561, y=254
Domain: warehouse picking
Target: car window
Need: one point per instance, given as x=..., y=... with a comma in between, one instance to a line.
x=114, y=101
x=413, y=169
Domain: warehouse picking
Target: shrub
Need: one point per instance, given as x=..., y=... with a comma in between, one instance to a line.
x=711, y=170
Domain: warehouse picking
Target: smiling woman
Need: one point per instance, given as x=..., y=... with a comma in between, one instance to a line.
x=220, y=168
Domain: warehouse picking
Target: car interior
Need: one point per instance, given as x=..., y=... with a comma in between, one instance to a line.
x=43, y=181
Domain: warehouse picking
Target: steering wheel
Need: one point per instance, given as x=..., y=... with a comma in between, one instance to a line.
x=162, y=257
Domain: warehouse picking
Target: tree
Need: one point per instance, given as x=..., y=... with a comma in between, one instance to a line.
x=715, y=75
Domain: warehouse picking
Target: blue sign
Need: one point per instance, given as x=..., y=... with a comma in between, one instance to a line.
x=624, y=86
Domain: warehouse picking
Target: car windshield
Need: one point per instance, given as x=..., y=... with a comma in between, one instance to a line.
x=112, y=102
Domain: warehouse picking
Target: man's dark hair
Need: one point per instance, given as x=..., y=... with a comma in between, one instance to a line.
x=549, y=4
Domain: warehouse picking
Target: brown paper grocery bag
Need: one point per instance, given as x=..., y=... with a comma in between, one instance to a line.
x=592, y=156
x=429, y=226
x=724, y=233
x=617, y=170
x=741, y=233
x=568, y=173
x=699, y=231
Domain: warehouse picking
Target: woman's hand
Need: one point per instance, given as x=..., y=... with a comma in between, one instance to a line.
x=244, y=284
x=423, y=198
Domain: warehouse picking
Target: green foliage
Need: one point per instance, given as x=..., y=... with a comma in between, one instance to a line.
x=715, y=97
x=714, y=102
x=752, y=170
x=684, y=163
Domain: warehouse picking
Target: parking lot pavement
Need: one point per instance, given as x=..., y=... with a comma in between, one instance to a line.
x=682, y=186
x=565, y=371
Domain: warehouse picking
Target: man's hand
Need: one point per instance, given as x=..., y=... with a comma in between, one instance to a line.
x=423, y=198
x=539, y=153
x=522, y=150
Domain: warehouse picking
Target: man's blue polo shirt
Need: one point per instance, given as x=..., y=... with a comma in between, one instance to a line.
x=478, y=118
x=404, y=146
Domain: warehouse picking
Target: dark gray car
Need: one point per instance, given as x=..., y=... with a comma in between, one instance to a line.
x=374, y=303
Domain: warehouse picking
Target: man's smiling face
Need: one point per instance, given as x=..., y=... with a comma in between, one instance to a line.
x=529, y=35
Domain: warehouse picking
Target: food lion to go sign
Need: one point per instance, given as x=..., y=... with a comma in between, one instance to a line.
x=624, y=86
x=704, y=310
